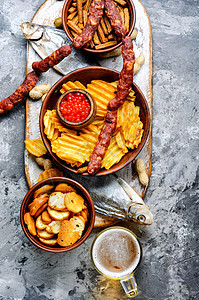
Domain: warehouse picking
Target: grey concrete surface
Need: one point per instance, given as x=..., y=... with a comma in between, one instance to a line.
x=169, y=269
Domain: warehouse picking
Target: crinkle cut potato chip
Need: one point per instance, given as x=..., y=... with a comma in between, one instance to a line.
x=36, y=147
x=71, y=149
x=113, y=154
x=72, y=85
x=75, y=147
x=102, y=92
x=121, y=142
x=128, y=121
x=53, y=127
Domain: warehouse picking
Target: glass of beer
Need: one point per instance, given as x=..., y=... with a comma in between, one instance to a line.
x=116, y=254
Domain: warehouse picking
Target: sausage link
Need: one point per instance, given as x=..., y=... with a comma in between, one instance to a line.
x=126, y=75
x=95, y=15
x=115, y=18
x=102, y=143
x=52, y=60
x=20, y=93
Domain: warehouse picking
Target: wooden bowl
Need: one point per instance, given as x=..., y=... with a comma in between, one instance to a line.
x=80, y=190
x=132, y=14
x=85, y=75
x=89, y=119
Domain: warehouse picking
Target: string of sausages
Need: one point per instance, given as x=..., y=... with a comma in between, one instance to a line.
x=21, y=92
x=125, y=77
x=95, y=15
x=102, y=144
x=94, y=18
x=115, y=18
x=32, y=78
x=123, y=88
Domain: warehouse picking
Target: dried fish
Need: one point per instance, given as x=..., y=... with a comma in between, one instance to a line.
x=46, y=39
x=110, y=199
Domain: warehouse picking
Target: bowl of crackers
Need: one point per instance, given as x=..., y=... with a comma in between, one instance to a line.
x=57, y=214
x=75, y=14
x=71, y=149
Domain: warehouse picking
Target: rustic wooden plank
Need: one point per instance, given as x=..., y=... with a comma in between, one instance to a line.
x=46, y=15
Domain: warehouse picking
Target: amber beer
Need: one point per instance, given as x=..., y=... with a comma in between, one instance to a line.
x=116, y=253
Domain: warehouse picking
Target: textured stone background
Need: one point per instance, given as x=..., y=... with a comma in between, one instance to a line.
x=169, y=269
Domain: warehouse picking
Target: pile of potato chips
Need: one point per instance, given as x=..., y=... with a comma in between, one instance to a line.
x=75, y=147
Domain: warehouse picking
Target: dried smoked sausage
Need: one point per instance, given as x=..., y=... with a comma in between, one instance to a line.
x=102, y=144
x=20, y=93
x=126, y=75
x=95, y=15
x=115, y=18
x=52, y=60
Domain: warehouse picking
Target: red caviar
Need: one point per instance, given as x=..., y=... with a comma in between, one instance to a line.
x=75, y=107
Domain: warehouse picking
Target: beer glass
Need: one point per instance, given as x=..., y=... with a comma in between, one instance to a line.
x=116, y=254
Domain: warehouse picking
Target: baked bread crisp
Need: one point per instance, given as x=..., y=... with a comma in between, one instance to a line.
x=37, y=204
x=44, y=189
x=46, y=218
x=40, y=224
x=58, y=215
x=64, y=188
x=54, y=227
x=44, y=234
x=78, y=224
x=30, y=222
x=74, y=202
x=56, y=201
x=67, y=235
x=50, y=242
x=40, y=210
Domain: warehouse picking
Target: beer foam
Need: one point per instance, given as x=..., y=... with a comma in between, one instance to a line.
x=116, y=253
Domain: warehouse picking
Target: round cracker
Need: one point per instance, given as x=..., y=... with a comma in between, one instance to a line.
x=56, y=201
x=50, y=242
x=74, y=202
x=58, y=215
x=67, y=235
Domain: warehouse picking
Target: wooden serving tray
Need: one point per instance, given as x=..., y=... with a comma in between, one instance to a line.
x=45, y=15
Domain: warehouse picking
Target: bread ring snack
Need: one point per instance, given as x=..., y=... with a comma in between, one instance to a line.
x=50, y=242
x=84, y=214
x=41, y=209
x=78, y=224
x=44, y=234
x=54, y=227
